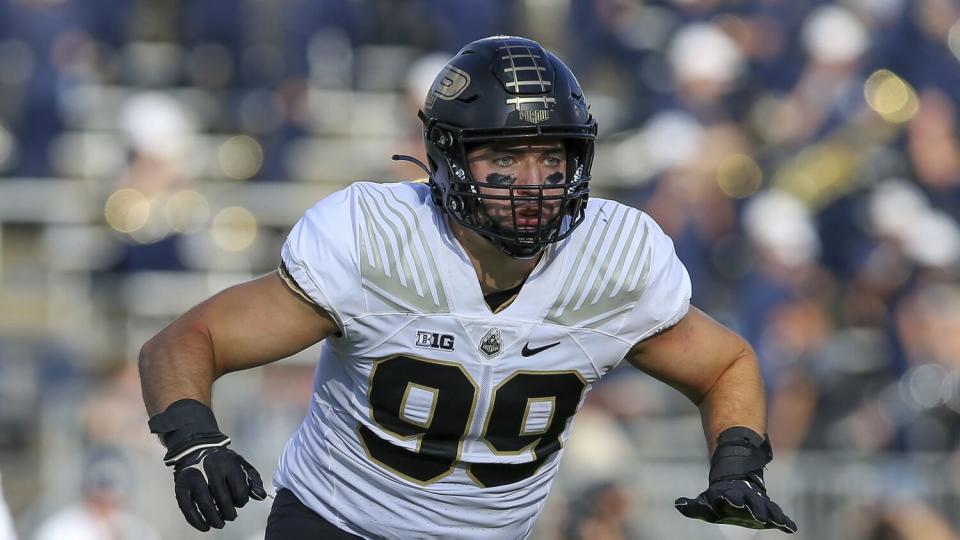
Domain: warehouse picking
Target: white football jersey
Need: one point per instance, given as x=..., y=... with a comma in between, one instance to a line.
x=433, y=417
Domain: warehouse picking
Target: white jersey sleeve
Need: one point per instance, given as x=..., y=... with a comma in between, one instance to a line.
x=320, y=258
x=666, y=296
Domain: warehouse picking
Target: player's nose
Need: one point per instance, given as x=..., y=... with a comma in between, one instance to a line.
x=532, y=174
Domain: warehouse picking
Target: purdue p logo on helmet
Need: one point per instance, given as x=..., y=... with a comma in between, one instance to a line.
x=449, y=85
x=505, y=89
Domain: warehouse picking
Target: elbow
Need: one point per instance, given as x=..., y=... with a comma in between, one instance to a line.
x=149, y=357
x=183, y=342
x=148, y=375
x=746, y=354
x=146, y=356
x=742, y=361
x=742, y=355
x=748, y=357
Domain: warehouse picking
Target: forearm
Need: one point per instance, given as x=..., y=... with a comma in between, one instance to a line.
x=734, y=423
x=735, y=399
x=178, y=363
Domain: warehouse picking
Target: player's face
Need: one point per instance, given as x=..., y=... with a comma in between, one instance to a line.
x=521, y=170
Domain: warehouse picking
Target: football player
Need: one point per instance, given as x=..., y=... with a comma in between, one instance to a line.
x=464, y=321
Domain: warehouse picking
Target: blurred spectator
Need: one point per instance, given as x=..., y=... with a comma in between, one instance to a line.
x=600, y=512
x=616, y=52
x=904, y=519
x=100, y=513
x=158, y=130
x=706, y=64
x=928, y=326
x=929, y=26
x=828, y=90
x=459, y=22
x=933, y=149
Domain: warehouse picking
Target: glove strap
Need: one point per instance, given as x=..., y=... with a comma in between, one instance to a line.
x=185, y=426
x=741, y=454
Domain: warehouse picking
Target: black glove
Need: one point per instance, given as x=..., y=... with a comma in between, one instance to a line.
x=210, y=480
x=737, y=495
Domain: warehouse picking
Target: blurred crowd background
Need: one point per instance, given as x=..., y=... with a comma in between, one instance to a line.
x=803, y=155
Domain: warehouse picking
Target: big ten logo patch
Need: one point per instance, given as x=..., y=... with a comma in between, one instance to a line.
x=434, y=340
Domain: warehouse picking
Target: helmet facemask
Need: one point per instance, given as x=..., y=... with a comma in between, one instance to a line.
x=495, y=210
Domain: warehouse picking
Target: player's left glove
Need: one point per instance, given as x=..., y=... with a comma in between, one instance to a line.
x=737, y=494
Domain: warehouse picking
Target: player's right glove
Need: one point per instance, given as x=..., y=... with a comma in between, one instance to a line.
x=210, y=480
x=737, y=494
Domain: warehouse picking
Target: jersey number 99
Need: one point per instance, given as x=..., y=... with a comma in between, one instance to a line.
x=440, y=431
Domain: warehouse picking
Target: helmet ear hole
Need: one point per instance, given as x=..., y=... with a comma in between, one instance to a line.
x=455, y=203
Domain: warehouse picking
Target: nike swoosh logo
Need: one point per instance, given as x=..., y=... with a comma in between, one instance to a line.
x=527, y=351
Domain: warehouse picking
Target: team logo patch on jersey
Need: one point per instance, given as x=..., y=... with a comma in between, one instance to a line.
x=491, y=343
x=434, y=340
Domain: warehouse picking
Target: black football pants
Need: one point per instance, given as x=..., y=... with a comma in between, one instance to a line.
x=291, y=520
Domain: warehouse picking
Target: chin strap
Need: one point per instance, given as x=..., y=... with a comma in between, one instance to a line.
x=517, y=251
x=513, y=249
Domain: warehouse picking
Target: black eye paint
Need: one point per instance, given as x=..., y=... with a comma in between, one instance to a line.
x=501, y=179
x=555, y=178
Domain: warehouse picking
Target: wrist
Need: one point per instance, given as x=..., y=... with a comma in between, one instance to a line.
x=185, y=426
x=741, y=453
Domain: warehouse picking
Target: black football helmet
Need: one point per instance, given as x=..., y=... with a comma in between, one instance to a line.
x=507, y=89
